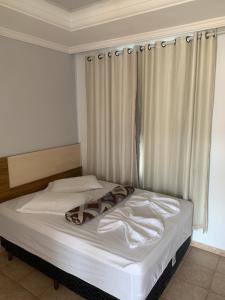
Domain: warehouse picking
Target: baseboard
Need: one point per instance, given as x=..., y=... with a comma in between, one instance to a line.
x=208, y=248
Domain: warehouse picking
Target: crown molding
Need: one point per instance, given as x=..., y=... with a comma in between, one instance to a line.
x=27, y=38
x=41, y=10
x=125, y=40
x=151, y=35
x=105, y=12
x=88, y=16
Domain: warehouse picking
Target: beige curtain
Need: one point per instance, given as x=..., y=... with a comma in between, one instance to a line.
x=111, y=85
x=176, y=91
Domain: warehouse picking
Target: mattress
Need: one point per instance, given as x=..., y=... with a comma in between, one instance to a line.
x=103, y=260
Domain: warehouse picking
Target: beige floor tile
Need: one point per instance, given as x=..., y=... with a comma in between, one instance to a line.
x=7, y=285
x=181, y=290
x=19, y=295
x=36, y=282
x=203, y=258
x=61, y=294
x=212, y=296
x=16, y=269
x=172, y=280
x=218, y=284
x=221, y=265
x=195, y=274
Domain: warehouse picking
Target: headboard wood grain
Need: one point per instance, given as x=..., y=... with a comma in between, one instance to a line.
x=4, y=175
x=28, y=167
x=71, y=167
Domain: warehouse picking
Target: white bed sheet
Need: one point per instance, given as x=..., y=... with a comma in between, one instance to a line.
x=103, y=260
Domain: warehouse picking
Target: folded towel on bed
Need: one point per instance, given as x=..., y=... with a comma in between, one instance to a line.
x=138, y=230
x=83, y=213
x=163, y=206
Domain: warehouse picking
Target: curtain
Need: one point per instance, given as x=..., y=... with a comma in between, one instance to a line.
x=176, y=87
x=111, y=85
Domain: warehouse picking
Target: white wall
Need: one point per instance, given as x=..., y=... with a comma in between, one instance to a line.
x=216, y=233
x=37, y=98
x=79, y=65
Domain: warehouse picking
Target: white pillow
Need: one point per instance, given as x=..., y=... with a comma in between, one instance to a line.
x=75, y=184
x=54, y=203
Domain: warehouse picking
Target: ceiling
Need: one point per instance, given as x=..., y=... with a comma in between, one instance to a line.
x=105, y=23
x=71, y=5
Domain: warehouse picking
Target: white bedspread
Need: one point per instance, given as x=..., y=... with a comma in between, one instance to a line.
x=138, y=230
x=142, y=219
x=103, y=260
x=152, y=203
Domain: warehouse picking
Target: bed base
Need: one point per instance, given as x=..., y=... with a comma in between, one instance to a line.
x=81, y=287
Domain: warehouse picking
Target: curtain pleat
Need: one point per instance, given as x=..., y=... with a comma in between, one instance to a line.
x=202, y=124
x=111, y=84
x=177, y=84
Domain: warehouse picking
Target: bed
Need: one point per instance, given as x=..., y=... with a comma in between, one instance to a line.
x=95, y=266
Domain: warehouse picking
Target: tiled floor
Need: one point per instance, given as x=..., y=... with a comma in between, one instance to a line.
x=18, y=281
x=200, y=276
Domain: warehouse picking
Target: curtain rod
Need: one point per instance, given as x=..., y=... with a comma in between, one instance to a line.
x=164, y=43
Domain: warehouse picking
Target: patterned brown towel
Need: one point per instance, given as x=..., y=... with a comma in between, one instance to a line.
x=81, y=214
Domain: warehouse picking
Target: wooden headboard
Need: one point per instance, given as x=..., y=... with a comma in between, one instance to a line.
x=30, y=172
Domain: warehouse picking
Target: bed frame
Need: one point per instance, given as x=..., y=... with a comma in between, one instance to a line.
x=81, y=287
x=27, y=173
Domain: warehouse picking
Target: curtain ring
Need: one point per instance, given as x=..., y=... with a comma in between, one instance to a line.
x=142, y=48
x=109, y=54
x=129, y=50
x=200, y=36
x=188, y=39
x=163, y=44
x=117, y=53
x=207, y=35
x=149, y=47
x=100, y=56
x=89, y=58
x=175, y=42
